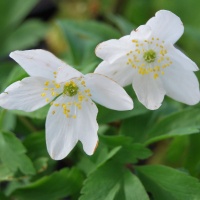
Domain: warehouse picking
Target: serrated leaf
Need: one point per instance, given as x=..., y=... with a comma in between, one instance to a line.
x=64, y=183
x=12, y=154
x=166, y=183
x=111, y=181
x=133, y=151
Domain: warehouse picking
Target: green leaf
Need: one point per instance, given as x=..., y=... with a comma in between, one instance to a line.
x=82, y=37
x=181, y=123
x=3, y=197
x=125, y=26
x=38, y=114
x=166, y=183
x=5, y=173
x=22, y=37
x=110, y=181
x=133, y=151
x=12, y=154
x=36, y=145
x=13, y=12
x=132, y=183
x=64, y=183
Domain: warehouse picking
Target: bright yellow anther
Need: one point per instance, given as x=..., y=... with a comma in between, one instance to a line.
x=155, y=76
x=43, y=94
x=46, y=83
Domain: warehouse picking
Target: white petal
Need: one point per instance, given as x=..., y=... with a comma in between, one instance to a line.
x=166, y=26
x=181, y=85
x=39, y=62
x=86, y=126
x=141, y=33
x=119, y=71
x=66, y=73
x=61, y=135
x=26, y=94
x=181, y=60
x=113, y=49
x=108, y=93
x=149, y=91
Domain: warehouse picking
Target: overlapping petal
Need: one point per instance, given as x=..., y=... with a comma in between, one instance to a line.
x=61, y=135
x=113, y=49
x=166, y=26
x=118, y=71
x=39, y=63
x=26, y=94
x=86, y=126
x=181, y=85
x=66, y=73
x=108, y=93
x=150, y=91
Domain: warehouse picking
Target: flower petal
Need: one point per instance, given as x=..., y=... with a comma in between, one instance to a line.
x=113, y=49
x=119, y=71
x=108, y=93
x=27, y=95
x=181, y=85
x=86, y=126
x=141, y=33
x=179, y=59
x=149, y=91
x=166, y=26
x=63, y=132
x=66, y=73
x=39, y=62
x=61, y=135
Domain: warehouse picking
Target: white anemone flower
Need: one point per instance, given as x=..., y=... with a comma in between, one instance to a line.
x=72, y=114
x=147, y=59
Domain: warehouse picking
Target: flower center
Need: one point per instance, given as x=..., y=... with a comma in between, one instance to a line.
x=70, y=88
x=149, y=56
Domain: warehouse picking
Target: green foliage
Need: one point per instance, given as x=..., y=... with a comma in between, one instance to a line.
x=59, y=184
x=112, y=181
x=168, y=183
x=132, y=144
x=17, y=152
x=13, y=36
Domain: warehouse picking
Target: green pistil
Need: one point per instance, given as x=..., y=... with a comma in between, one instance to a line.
x=70, y=89
x=149, y=56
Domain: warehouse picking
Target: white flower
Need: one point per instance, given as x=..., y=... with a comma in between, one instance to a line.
x=147, y=59
x=72, y=115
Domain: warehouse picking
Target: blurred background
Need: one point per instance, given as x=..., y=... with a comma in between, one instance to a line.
x=71, y=29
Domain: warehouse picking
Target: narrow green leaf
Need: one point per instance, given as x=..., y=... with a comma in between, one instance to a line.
x=166, y=183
